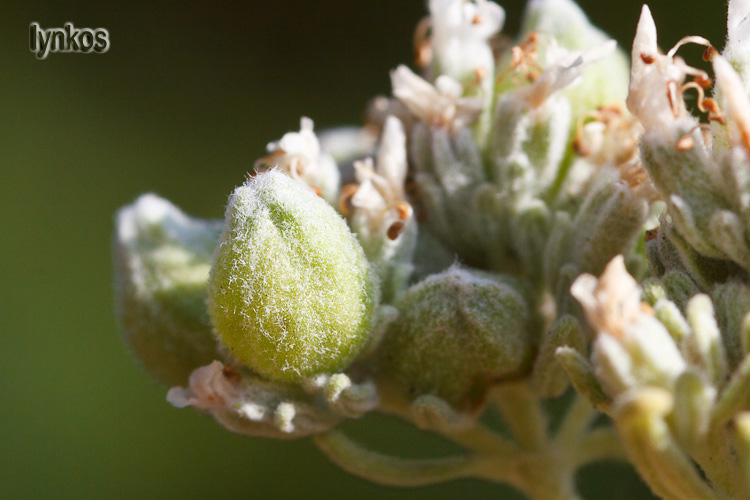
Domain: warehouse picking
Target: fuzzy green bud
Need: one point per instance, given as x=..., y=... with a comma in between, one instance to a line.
x=290, y=291
x=162, y=261
x=458, y=333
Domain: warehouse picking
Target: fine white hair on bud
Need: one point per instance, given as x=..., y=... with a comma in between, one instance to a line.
x=162, y=262
x=290, y=292
x=459, y=332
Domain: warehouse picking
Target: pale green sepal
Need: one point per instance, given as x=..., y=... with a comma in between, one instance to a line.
x=732, y=303
x=548, y=378
x=670, y=316
x=670, y=473
x=162, y=261
x=653, y=290
x=704, y=346
x=680, y=288
x=582, y=376
x=735, y=397
x=741, y=427
x=693, y=405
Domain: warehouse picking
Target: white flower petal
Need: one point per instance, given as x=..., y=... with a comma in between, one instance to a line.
x=460, y=31
x=391, y=162
x=651, y=77
x=738, y=23
x=736, y=101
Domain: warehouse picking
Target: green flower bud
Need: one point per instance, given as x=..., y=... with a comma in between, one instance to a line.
x=290, y=291
x=162, y=261
x=458, y=333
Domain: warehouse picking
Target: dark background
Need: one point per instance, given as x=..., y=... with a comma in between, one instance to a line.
x=182, y=104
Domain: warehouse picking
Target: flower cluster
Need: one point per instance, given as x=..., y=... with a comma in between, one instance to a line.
x=536, y=220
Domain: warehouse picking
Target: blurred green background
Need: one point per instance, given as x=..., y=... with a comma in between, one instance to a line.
x=181, y=105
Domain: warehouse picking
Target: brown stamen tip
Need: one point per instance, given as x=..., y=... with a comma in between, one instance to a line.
x=345, y=200
x=686, y=143
x=395, y=230
x=651, y=234
x=614, y=109
x=710, y=53
x=477, y=19
x=579, y=148
x=745, y=139
x=424, y=56
x=410, y=186
x=422, y=50
x=711, y=105
x=404, y=210
x=647, y=58
x=703, y=81
x=317, y=190
x=230, y=373
x=480, y=73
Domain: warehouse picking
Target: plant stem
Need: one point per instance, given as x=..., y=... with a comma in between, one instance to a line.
x=387, y=470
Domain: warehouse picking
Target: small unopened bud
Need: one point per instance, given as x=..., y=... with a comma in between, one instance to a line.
x=458, y=333
x=162, y=260
x=290, y=292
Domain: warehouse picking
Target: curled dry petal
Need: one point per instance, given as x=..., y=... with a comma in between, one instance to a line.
x=209, y=387
x=439, y=105
x=565, y=71
x=611, y=301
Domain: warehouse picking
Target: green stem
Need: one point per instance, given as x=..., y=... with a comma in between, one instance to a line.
x=578, y=417
x=540, y=475
x=482, y=440
x=391, y=471
x=477, y=437
x=659, y=460
x=523, y=414
x=599, y=444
